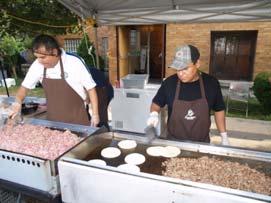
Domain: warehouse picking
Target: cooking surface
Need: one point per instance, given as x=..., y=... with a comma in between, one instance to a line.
x=37, y=141
x=154, y=165
x=74, y=168
x=223, y=172
x=32, y=172
x=151, y=164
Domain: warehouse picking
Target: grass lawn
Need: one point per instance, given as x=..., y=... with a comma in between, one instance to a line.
x=37, y=92
x=255, y=110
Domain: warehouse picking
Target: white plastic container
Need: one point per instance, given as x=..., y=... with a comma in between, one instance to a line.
x=9, y=81
x=136, y=81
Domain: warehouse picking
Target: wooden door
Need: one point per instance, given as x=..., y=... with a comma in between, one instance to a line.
x=153, y=36
x=156, y=52
x=232, y=55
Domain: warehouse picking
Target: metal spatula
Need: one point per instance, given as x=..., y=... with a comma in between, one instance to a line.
x=150, y=133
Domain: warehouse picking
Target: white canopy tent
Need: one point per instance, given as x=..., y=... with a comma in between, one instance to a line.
x=129, y=12
x=140, y=12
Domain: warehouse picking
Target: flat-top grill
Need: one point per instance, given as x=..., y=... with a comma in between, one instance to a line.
x=33, y=172
x=82, y=181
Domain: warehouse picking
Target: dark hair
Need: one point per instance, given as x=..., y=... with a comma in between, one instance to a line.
x=194, y=53
x=47, y=41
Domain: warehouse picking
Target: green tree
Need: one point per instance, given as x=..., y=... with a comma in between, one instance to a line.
x=32, y=17
x=87, y=51
x=10, y=48
x=262, y=90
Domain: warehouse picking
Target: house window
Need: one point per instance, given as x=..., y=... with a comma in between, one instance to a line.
x=232, y=54
x=71, y=45
x=133, y=38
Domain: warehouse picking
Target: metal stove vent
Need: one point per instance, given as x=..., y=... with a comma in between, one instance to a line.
x=118, y=124
x=19, y=160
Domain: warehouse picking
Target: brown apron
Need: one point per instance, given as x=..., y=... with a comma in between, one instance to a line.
x=63, y=103
x=190, y=120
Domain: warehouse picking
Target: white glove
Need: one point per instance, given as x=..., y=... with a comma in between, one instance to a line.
x=15, y=110
x=153, y=119
x=95, y=120
x=224, y=138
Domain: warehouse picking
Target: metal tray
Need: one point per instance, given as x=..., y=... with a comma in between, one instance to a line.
x=35, y=172
x=73, y=168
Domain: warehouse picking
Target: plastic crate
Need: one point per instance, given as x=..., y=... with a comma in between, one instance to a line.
x=137, y=81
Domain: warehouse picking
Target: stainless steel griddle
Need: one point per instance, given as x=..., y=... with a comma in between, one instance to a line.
x=82, y=181
x=30, y=173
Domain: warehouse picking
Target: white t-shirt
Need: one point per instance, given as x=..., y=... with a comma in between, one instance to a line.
x=76, y=74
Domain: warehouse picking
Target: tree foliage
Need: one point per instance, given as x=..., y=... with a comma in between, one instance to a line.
x=262, y=90
x=10, y=47
x=32, y=17
x=87, y=51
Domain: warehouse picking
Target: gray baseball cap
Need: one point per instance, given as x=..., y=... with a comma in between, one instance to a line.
x=182, y=58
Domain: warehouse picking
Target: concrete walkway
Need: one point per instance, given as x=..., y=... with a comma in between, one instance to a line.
x=253, y=134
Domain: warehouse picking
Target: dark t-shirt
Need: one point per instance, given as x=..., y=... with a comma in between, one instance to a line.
x=101, y=81
x=98, y=77
x=189, y=92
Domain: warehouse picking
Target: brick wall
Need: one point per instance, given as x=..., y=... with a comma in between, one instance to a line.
x=200, y=36
x=110, y=32
x=61, y=38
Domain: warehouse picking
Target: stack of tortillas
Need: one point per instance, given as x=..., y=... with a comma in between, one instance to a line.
x=135, y=159
x=155, y=151
x=129, y=167
x=98, y=162
x=127, y=144
x=110, y=152
x=168, y=151
x=171, y=152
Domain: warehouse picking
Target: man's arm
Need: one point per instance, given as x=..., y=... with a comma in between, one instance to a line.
x=153, y=119
x=155, y=107
x=21, y=94
x=221, y=126
x=220, y=121
x=17, y=105
x=94, y=106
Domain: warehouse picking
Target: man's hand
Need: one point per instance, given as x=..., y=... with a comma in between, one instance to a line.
x=95, y=120
x=153, y=119
x=224, y=138
x=15, y=110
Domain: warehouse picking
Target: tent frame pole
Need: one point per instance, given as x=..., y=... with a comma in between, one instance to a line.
x=3, y=75
x=96, y=46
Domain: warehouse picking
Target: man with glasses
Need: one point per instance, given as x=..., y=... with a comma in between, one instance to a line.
x=66, y=82
x=190, y=95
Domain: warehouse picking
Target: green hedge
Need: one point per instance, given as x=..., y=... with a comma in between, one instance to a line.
x=262, y=90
